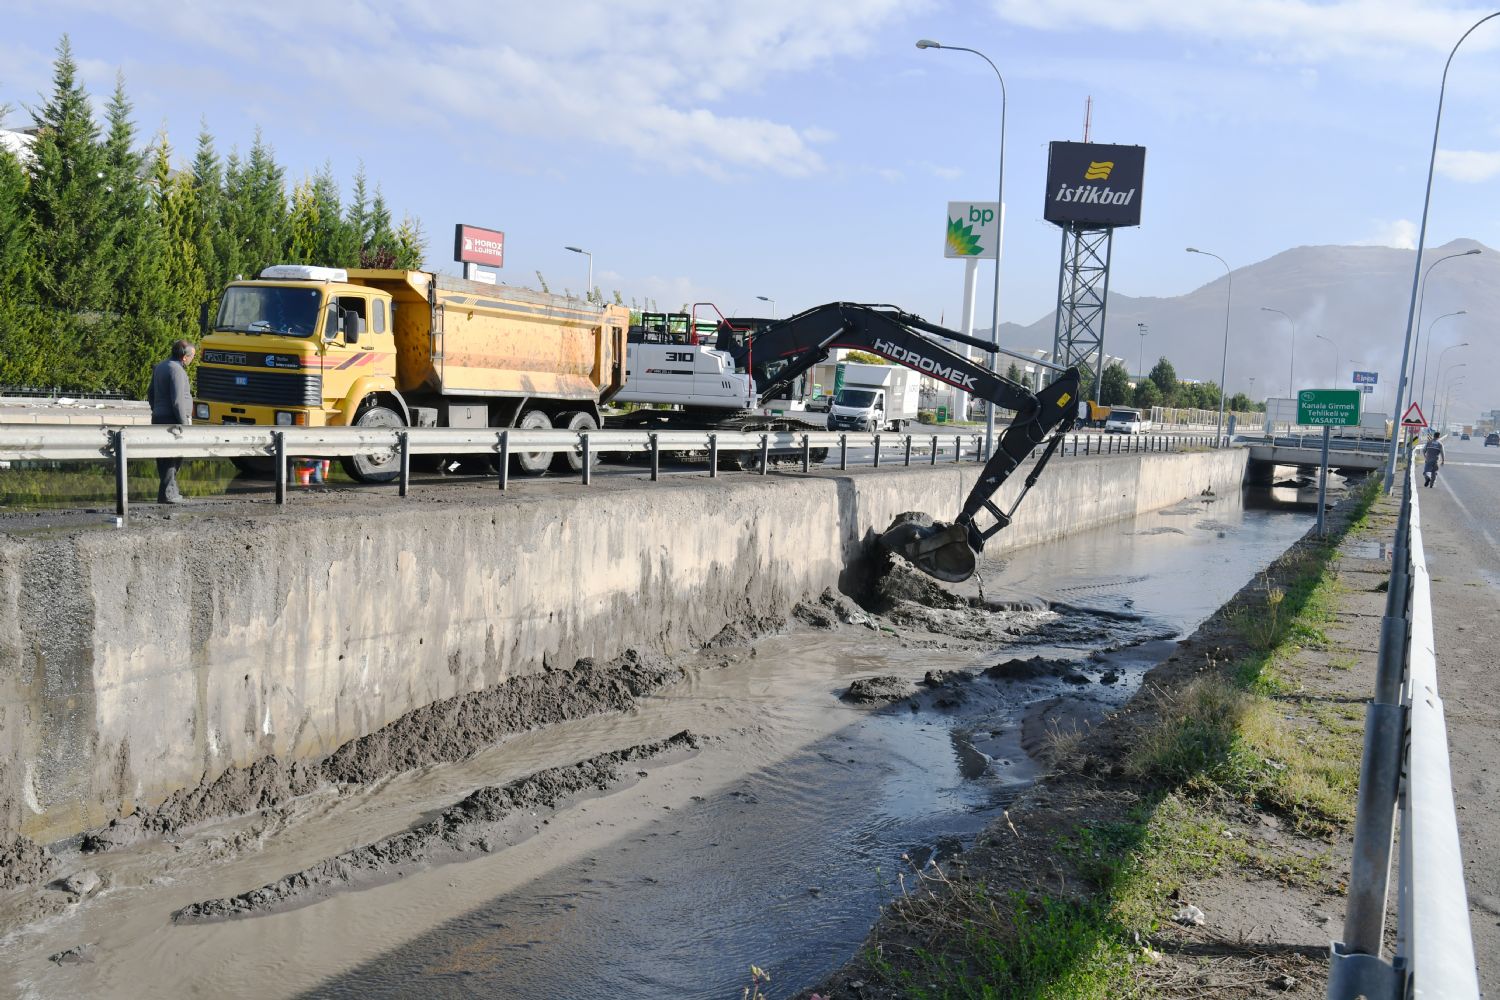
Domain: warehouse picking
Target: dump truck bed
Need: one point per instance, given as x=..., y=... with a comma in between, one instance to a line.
x=456, y=337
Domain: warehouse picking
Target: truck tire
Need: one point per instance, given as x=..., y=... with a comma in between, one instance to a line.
x=533, y=463
x=572, y=461
x=378, y=466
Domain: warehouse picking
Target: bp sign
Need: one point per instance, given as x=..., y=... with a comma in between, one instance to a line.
x=974, y=229
x=1328, y=407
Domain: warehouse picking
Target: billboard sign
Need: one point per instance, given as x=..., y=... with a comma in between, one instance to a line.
x=1094, y=184
x=1366, y=378
x=1328, y=408
x=974, y=230
x=473, y=245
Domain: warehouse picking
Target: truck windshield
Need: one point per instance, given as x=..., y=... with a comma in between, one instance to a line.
x=857, y=398
x=269, y=309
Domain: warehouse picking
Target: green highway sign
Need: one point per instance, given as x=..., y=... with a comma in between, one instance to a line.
x=1328, y=407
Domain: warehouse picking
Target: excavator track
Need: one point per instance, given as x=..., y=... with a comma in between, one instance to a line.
x=731, y=461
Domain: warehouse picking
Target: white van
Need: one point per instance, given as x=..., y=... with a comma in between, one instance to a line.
x=1125, y=421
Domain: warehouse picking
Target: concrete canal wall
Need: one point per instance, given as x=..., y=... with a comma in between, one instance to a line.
x=137, y=662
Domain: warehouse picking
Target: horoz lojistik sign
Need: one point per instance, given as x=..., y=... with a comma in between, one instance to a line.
x=473, y=245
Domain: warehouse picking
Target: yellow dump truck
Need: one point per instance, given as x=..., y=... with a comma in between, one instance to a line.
x=315, y=346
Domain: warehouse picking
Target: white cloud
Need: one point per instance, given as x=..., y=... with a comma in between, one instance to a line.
x=1470, y=166
x=1298, y=28
x=647, y=76
x=944, y=173
x=1399, y=233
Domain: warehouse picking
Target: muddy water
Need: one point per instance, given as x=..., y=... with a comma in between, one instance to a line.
x=774, y=844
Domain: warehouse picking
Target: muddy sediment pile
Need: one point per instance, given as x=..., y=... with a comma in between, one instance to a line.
x=485, y=820
x=445, y=731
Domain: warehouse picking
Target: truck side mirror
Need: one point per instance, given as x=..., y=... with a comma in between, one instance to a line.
x=351, y=327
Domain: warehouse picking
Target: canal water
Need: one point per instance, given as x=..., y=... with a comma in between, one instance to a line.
x=774, y=844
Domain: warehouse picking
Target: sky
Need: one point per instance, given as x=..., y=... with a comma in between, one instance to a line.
x=803, y=150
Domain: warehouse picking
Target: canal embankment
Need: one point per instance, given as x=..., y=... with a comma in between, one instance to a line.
x=206, y=659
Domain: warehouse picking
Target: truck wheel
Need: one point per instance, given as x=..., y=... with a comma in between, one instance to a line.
x=572, y=461
x=533, y=463
x=382, y=466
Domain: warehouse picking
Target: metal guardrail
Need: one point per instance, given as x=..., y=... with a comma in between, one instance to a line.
x=1405, y=763
x=120, y=445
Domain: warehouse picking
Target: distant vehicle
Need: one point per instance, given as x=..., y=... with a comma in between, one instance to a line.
x=1125, y=421
x=819, y=404
x=1492, y=439
x=874, y=398
x=1464, y=436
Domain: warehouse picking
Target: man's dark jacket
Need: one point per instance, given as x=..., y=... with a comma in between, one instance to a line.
x=170, y=395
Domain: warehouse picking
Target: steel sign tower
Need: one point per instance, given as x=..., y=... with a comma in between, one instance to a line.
x=1092, y=188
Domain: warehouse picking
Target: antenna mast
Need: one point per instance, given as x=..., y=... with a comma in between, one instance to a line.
x=1088, y=115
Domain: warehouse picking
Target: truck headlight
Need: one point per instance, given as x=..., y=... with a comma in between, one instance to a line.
x=283, y=418
x=200, y=411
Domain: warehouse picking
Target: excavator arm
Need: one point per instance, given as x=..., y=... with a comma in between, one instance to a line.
x=781, y=351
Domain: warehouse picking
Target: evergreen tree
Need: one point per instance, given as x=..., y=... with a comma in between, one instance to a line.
x=185, y=284
x=357, y=216
x=303, y=226
x=1013, y=372
x=1165, y=377
x=70, y=226
x=1147, y=395
x=255, y=209
x=379, y=249
x=135, y=264
x=210, y=234
x=411, y=244
x=18, y=327
x=337, y=244
x=1115, y=387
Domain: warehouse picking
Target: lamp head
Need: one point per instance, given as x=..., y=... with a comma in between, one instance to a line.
x=1471, y=252
x=927, y=43
x=764, y=298
x=576, y=249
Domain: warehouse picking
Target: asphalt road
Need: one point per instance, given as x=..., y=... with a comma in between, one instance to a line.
x=1461, y=534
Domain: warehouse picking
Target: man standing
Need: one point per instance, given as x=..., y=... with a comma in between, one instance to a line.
x=171, y=399
x=1432, y=456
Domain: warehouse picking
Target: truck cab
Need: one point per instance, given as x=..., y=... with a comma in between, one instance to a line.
x=857, y=408
x=298, y=346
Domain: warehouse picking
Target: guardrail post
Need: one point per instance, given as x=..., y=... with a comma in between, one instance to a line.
x=403, y=443
x=877, y=451
x=1088, y=443
x=843, y=452
x=934, y=450
x=806, y=453
x=908, y=449
x=713, y=456
x=765, y=453
x=586, y=451
x=504, y=459
x=655, y=456
x=278, y=449
x=122, y=477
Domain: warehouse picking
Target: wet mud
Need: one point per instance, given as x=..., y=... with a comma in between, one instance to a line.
x=486, y=820
x=445, y=731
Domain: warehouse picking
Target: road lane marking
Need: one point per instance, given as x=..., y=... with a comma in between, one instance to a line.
x=1472, y=519
x=1477, y=465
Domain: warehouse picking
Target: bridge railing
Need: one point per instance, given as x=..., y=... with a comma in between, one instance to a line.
x=284, y=445
x=1405, y=764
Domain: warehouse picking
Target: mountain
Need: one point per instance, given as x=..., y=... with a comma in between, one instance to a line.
x=1356, y=296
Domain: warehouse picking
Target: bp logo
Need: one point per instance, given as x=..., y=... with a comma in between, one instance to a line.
x=1099, y=170
x=963, y=241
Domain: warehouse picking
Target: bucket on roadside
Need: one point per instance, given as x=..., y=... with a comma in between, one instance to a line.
x=321, y=474
x=304, y=474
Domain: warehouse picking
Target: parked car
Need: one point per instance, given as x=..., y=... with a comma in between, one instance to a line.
x=1124, y=421
x=1492, y=439
x=1463, y=437
x=819, y=404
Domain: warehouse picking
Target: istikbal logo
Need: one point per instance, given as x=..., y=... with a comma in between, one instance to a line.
x=1098, y=170
x=1092, y=194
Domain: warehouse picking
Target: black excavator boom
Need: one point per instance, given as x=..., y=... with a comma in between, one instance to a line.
x=781, y=351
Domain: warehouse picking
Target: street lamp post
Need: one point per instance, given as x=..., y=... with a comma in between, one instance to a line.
x=1422, y=304
x=1291, y=365
x=588, y=293
x=1363, y=926
x=1451, y=370
x=1224, y=360
x=767, y=298
x=1140, y=359
x=1335, y=383
x=989, y=407
x=1422, y=390
x=1441, y=354
x=1448, y=393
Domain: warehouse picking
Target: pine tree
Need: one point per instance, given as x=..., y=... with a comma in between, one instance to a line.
x=410, y=244
x=357, y=217
x=65, y=200
x=1165, y=377
x=255, y=209
x=379, y=249
x=302, y=228
x=1114, y=389
x=336, y=245
x=18, y=353
x=185, y=284
x=210, y=234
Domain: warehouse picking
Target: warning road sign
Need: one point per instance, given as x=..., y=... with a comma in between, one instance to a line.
x=1413, y=417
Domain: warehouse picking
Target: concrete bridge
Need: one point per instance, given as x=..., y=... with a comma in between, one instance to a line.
x=1348, y=456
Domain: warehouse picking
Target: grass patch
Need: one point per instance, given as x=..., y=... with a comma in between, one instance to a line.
x=1232, y=739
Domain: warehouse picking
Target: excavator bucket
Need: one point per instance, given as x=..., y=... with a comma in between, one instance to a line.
x=938, y=548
